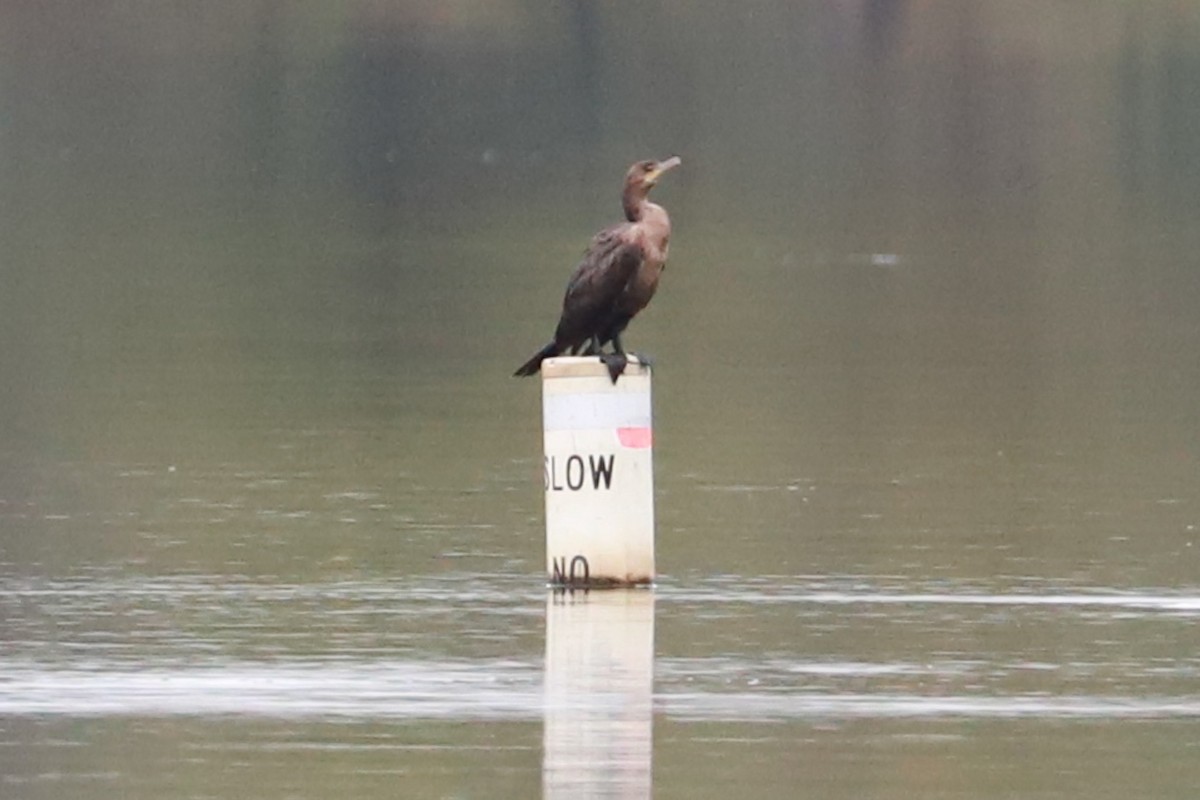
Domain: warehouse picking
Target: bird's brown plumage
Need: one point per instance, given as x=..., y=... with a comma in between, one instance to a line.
x=618, y=275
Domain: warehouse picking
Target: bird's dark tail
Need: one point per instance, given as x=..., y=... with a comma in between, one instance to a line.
x=534, y=364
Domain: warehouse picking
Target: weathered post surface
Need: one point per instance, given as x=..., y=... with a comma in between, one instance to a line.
x=599, y=472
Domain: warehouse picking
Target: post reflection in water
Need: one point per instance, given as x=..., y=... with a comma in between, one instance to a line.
x=598, y=694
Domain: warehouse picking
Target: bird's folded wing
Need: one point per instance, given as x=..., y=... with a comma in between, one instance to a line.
x=597, y=283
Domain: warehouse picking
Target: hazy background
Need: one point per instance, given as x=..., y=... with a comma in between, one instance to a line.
x=961, y=229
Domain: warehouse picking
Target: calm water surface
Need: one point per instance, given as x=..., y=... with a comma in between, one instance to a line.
x=925, y=401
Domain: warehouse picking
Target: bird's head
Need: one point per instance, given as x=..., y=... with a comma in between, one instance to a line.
x=640, y=179
x=644, y=174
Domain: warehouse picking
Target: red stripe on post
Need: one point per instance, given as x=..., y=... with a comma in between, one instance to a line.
x=637, y=438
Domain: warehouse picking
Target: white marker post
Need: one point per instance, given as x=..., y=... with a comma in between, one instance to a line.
x=599, y=473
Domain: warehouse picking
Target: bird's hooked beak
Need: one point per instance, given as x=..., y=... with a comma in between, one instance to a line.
x=663, y=166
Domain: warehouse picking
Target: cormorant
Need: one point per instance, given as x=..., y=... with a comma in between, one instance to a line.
x=616, y=278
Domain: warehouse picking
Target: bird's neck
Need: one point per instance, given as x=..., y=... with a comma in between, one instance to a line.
x=635, y=204
x=653, y=217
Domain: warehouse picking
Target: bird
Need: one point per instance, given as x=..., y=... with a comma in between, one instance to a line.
x=616, y=278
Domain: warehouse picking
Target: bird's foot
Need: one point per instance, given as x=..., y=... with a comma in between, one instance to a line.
x=616, y=363
x=644, y=359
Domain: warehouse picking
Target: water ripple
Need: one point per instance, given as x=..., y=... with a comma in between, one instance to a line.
x=493, y=690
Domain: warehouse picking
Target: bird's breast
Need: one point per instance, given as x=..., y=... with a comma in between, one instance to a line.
x=645, y=281
x=653, y=235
